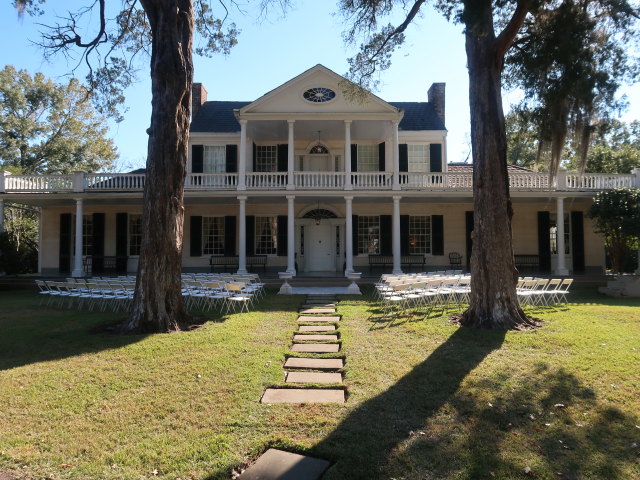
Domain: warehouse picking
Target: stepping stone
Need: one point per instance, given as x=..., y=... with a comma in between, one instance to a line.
x=315, y=347
x=313, y=311
x=280, y=465
x=317, y=328
x=316, y=338
x=318, y=319
x=319, y=305
x=314, y=363
x=325, y=298
x=314, y=377
x=302, y=395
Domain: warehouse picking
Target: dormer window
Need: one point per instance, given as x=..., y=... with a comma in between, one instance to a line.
x=318, y=150
x=319, y=95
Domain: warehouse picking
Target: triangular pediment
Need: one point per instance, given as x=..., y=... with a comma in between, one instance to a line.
x=318, y=90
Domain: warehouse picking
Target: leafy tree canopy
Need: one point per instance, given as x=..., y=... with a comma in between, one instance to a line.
x=50, y=128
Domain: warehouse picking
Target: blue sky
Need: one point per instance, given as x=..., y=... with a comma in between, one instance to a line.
x=272, y=51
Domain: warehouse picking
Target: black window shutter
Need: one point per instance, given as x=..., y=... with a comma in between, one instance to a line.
x=577, y=241
x=544, y=247
x=386, y=243
x=197, y=158
x=195, y=239
x=404, y=234
x=468, y=220
x=64, y=262
x=97, y=251
x=283, y=157
x=435, y=157
x=354, y=224
x=354, y=157
x=255, y=156
x=121, y=242
x=437, y=235
x=230, y=235
x=232, y=158
x=250, y=222
x=282, y=235
x=381, y=157
x=403, y=159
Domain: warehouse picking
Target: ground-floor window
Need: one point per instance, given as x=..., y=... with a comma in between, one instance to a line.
x=419, y=234
x=266, y=158
x=267, y=235
x=368, y=234
x=553, y=233
x=213, y=235
x=135, y=234
x=87, y=235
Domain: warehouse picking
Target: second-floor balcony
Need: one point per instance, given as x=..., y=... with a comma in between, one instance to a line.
x=314, y=181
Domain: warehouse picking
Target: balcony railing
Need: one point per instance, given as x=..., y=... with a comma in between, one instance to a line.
x=375, y=181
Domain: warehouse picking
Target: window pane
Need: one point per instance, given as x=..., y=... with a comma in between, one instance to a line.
x=368, y=235
x=135, y=234
x=266, y=158
x=418, y=158
x=214, y=160
x=553, y=234
x=212, y=235
x=419, y=234
x=368, y=158
x=266, y=235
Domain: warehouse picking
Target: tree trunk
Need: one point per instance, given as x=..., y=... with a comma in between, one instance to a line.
x=158, y=304
x=493, y=303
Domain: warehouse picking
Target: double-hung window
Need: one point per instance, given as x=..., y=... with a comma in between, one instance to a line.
x=418, y=158
x=214, y=159
x=368, y=234
x=87, y=234
x=266, y=158
x=419, y=234
x=368, y=158
x=212, y=235
x=135, y=234
x=266, y=235
x=553, y=234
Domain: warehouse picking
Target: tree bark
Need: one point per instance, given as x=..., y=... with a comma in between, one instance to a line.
x=493, y=303
x=158, y=305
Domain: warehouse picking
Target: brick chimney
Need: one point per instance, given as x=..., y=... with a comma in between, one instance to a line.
x=436, y=98
x=198, y=97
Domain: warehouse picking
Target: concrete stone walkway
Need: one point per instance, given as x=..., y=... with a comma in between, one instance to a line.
x=318, y=335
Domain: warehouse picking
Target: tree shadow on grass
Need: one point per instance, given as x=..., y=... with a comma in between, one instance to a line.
x=32, y=333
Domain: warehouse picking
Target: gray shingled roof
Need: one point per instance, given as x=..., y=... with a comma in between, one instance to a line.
x=216, y=116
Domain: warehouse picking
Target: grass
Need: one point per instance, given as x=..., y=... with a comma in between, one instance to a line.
x=426, y=400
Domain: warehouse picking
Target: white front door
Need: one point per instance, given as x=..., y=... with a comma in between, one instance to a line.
x=319, y=248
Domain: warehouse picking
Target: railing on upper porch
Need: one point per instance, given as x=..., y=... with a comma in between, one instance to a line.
x=375, y=181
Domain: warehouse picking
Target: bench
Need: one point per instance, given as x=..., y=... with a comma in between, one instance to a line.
x=232, y=262
x=387, y=261
x=527, y=263
x=105, y=264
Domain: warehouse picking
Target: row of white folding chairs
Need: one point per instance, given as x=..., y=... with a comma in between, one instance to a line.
x=390, y=281
x=543, y=291
x=225, y=296
x=251, y=280
x=101, y=294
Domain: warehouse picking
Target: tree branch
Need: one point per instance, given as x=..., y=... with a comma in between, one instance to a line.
x=508, y=35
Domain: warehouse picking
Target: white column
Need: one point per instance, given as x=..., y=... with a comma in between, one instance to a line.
x=290, y=156
x=1, y=215
x=347, y=155
x=242, y=160
x=397, y=265
x=78, y=271
x=396, y=157
x=561, y=269
x=3, y=187
x=242, y=234
x=349, y=236
x=291, y=236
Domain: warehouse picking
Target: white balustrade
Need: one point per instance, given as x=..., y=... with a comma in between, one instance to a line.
x=529, y=181
x=371, y=180
x=599, y=181
x=207, y=181
x=38, y=183
x=114, y=181
x=264, y=180
x=319, y=180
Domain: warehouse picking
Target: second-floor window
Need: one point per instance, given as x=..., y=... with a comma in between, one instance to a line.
x=266, y=158
x=214, y=159
x=368, y=234
x=368, y=158
x=418, y=158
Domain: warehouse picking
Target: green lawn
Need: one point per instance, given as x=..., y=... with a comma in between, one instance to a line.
x=426, y=400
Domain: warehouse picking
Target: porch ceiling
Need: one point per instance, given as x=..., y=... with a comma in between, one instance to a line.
x=330, y=130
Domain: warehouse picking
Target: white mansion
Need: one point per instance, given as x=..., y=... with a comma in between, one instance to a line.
x=304, y=180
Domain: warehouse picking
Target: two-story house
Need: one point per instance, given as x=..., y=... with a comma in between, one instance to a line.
x=309, y=180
